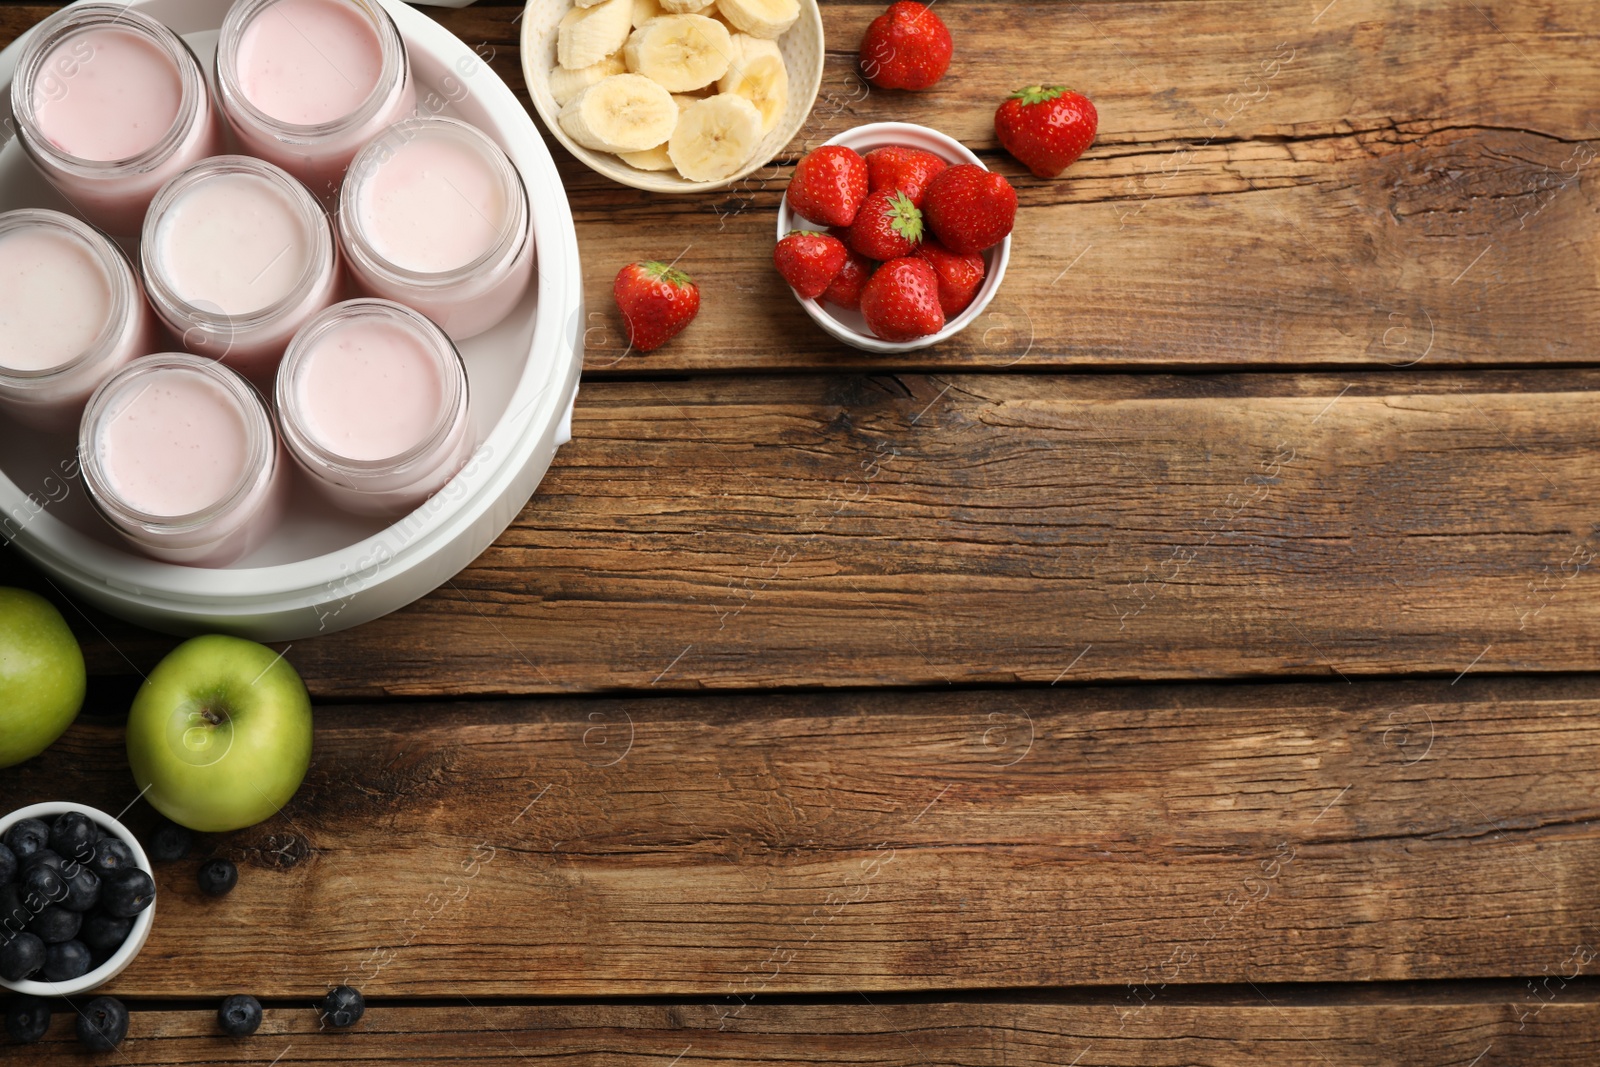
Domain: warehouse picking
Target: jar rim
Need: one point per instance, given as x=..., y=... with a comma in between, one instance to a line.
x=447, y=358
x=320, y=257
x=259, y=434
x=80, y=18
x=120, y=281
x=394, y=69
x=357, y=242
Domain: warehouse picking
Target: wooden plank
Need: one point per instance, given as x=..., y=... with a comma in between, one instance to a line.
x=1144, y=837
x=994, y=529
x=1415, y=1027
x=1375, y=185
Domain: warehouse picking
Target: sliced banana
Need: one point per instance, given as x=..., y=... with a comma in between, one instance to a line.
x=622, y=113
x=687, y=7
x=682, y=52
x=715, y=137
x=644, y=11
x=761, y=18
x=758, y=74
x=651, y=159
x=586, y=3
x=684, y=101
x=597, y=32
x=566, y=84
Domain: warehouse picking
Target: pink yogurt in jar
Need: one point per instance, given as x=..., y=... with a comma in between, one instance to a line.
x=306, y=83
x=109, y=105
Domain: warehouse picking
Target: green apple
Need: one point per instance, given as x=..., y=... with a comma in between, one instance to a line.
x=220, y=733
x=42, y=679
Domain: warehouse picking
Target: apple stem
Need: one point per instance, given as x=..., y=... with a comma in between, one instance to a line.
x=211, y=717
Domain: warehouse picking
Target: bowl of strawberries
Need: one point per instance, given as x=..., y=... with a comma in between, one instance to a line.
x=894, y=236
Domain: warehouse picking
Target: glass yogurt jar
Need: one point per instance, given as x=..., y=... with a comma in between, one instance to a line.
x=109, y=106
x=71, y=315
x=237, y=256
x=434, y=215
x=372, y=404
x=180, y=457
x=306, y=83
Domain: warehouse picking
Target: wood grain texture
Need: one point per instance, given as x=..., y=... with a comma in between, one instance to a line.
x=1375, y=185
x=1239, y=1029
x=741, y=847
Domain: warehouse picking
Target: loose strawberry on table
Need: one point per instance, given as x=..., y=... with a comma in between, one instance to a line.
x=968, y=208
x=906, y=47
x=959, y=275
x=1046, y=127
x=901, y=300
x=845, y=289
x=888, y=226
x=829, y=185
x=656, y=301
x=907, y=169
x=809, y=261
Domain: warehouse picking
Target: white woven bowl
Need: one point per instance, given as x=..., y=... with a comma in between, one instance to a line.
x=849, y=326
x=802, y=53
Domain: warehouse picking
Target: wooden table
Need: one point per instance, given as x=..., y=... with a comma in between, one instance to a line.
x=1184, y=665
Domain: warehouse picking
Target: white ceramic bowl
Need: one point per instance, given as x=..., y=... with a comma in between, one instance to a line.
x=141, y=924
x=323, y=571
x=849, y=326
x=802, y=54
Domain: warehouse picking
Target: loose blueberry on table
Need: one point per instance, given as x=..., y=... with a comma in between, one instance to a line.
x=27, y=1019
x=343, y=1007
x=217, y=877
x=102, y=1024
x=239, y=1015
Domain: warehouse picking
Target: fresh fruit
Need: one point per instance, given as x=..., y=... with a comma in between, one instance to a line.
x=566, y=84
x=761, y=18
x=127, y=893
x=103, y=932
x=656, y=301
x=111, y=856
x=968, y=208
x=828, y=186
x=168, y=842
x=65, y=961
x=45, y=881
x=907, y=169
x=21, y=956
x=901, y=300
x=906, y=47
x=343, y=1007
x=220, y=733
x=71, y=834
x=42, y=677
x=686, y=7
x=650, y=159
x=809, y=261
x=757, y=72
x=959, y=276
x=1046, y=127
x=588, y=35
x=622, y=113
x=8, y=864
x=27, y=837
x=645, y=10
x=217, y=877
x=102, y=1024
x=715, y=137
x=888, y=226
x=83, y=888
x=845, y=289
x=27, y=1019
x=680, y=53
x=239, y=1015
x=54, y=924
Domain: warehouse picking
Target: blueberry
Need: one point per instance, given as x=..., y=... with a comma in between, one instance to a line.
x=127, y=893
x=218, y=877
x=104, y=933
x=66, y=961
x=343, y=1007
x=26, y=837
x=27, y=1019
x=240, y=1015
x=102, y=1024
x=44, y=858
x=14, y=911
x=169, y=842
x=8, y=865
x=71, y=833
x=45, y=883
x=21, y=956
x=83, y=890
x=112, y=855
x=55, y=924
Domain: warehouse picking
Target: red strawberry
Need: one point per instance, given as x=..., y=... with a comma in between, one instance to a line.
x=809, y=261
x=906, y=169
x=901, y=300
x=906, y=47
x=829, y=185
x=656, y=302
x=1046, y=127
x=959, y=276
x=845, y=289
x=969, y=208
x=888, y=226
